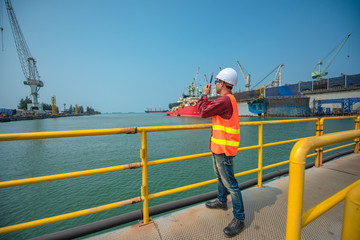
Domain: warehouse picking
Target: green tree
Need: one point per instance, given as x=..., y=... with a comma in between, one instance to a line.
x=24, y=102
x=46, y=107
x=81, y=109
x=71, y=109
x=90, y=110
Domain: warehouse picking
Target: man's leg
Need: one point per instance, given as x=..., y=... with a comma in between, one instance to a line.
x=226, y=172
x=221, y=200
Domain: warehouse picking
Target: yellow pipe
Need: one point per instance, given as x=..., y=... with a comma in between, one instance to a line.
x=144, y=187
x=246, y=172
x=97, y=132
x=318, y=161
x=319, y=132
x=176, y=159
x=356, y=146
x=26, y=181
x=351, y=223
x=321, y=208
x=248, y=148
x=260, y=155
x=63, y=134
x=281, y=142
x=336, y=148
x=67, y=216
x=174, y=128
x=311, y=155
x=275, y=165
x=297, y=174
x=335, y=118
x=181, y=189
x=193, y=156
x=290, y=121
x=277, y=122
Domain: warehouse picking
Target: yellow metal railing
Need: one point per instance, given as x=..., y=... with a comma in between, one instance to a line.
x=296, y=220
x=145, y=195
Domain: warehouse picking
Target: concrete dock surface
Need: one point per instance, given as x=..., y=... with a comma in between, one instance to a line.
x=265, y=210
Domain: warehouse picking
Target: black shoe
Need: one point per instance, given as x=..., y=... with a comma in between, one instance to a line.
x=234, y=228
x=216, y=204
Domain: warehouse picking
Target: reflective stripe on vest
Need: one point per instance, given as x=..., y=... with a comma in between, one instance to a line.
x=225, y=142
x=226, y=129
x=226, y=132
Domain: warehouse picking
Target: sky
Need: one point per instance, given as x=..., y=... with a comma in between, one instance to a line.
x=125, y=56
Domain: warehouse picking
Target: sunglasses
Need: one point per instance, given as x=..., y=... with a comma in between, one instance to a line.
x=218, y=81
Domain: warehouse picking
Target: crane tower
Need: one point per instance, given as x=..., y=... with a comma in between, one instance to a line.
x=28, y=63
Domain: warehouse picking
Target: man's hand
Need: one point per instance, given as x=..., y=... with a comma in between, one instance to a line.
x=207, y=89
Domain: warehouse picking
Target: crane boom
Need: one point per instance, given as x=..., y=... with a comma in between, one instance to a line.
x=246, y=77
x=322, y=72
x=27, y=62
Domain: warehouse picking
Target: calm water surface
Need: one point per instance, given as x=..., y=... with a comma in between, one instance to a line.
x=33, y=158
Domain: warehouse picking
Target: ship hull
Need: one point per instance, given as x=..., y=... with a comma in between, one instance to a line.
x=184, y=111
x=149, y=111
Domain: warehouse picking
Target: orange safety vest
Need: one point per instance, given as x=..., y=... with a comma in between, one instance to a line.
x=226, y=132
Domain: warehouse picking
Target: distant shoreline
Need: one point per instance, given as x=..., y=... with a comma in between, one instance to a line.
x=31, y=117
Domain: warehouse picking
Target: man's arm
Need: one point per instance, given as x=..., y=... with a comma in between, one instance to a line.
x=208, y=108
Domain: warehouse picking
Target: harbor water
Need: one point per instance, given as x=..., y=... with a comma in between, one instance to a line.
x=34, y=158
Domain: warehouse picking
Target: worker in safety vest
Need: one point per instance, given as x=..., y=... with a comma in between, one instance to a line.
x=224, y=143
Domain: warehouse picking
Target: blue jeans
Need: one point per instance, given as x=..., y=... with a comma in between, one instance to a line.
x=224, y=171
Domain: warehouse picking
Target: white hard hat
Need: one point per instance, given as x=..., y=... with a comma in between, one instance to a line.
x=228, y=75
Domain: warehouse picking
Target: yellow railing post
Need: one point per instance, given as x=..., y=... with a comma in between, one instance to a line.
x=356, y=146
x=297, y=176
x=319, y=151
x=351, y=223
x=260, y=155
x=296, y=191
x=144, y=187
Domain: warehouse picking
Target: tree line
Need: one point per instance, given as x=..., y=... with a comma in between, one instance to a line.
x=47, y=107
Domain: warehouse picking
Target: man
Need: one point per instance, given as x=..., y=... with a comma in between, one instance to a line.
x=224, y=143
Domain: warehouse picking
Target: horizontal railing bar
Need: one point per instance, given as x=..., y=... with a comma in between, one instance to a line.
x=61, y=176
x=247, y=172
x=311, y=214
x=276, y=165
x=193, y=156
x=67, y=216
x=55, y=177
x=281, y=142
x=248, y=148
x=129, y=130
x=174, y=128
x=176, y=159
x=195, y=185
x=334, y=118
x=181, y=189
x=284, y=162
x=277, y=122
x=339, y=147
x=311, y=155
x=64, y=134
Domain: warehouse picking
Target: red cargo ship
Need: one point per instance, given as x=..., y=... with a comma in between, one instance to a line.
x=186, y=105
x=184, y=111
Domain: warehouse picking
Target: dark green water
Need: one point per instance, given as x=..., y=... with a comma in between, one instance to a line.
x=33, y=158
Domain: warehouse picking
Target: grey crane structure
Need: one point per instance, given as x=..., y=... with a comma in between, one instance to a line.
x=28, y=63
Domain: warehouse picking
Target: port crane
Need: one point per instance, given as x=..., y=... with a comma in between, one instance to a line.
x=318, y=74
x=28, y=63
x=246, y=77
x=277, y=80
